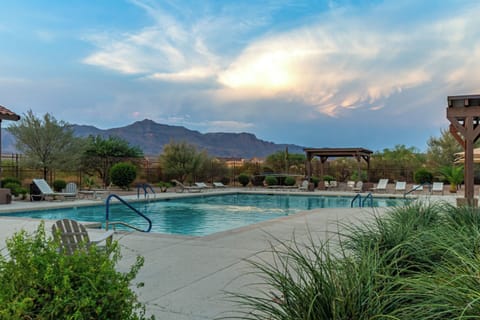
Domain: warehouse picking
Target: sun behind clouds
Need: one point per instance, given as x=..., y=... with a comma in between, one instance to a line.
x=270, y=70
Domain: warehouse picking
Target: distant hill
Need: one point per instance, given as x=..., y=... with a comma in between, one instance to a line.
x=151, y=137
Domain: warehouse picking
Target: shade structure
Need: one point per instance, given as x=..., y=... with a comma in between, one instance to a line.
x=460, y=156
x=5, y=114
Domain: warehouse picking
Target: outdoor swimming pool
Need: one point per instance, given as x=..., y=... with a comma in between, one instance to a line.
x=205, y=214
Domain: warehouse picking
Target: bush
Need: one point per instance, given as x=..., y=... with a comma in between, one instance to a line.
x=271, y=181
x=10, y=180
x=244, y=179
x=14, y=188
x=39, y=282
x=289, y=181
x=164, y=186
x=123, y=174
x=59, y=185
x=258, y=180
x=315, y=181
x=328, y=178
x=225, y=180
x=423, y=176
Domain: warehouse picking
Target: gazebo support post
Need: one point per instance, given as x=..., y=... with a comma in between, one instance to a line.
x=463, y=112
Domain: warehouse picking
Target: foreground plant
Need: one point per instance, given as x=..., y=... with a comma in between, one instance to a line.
x=39, y=282
x=419, y=261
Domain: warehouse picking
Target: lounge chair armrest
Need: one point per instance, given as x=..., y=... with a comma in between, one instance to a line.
x=104, y=236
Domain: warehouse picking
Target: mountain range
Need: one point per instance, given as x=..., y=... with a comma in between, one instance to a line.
x=151, y=137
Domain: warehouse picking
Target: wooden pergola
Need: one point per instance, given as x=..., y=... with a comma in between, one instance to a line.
x=325, y=153
x=463, y=112
x=5, y=114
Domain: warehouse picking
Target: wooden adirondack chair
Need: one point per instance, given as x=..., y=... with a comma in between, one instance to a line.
x=73, y=235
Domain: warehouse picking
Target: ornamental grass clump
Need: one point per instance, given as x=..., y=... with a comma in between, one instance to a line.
x=419, y=261
x=39, y=282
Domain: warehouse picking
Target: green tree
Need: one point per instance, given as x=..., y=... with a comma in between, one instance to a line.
x=397, y=163
x=123, y=174
x=47, y=144
x=182, y=160
x=454, y=175
x=101, y=154
x=282, y=161
x=441, y=151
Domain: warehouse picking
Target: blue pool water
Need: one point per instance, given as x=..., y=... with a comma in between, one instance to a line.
x=204, y=215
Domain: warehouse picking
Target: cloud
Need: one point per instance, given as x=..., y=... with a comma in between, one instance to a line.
x=190, y=75
x=348, y=61
x=343, y=59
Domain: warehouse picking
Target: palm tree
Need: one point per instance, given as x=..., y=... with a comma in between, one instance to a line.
x=454, y=175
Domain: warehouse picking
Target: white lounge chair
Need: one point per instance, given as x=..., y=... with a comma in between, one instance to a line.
x=46, y=191
x=202, y=185
x=358, y=186
x=400, y=186
x=417, y=187
x=219, y=185
x=73, y=235
x=182, y=188
x=303, y=186
x=381, y=185
x=71, y=187
x=437, y=187
x=332, y=184
x=350, y=184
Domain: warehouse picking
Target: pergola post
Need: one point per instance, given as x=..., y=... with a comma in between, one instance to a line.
x=463, y=112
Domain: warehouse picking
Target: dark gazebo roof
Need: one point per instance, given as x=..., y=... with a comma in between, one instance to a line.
x=338, y=152
x=6, y=114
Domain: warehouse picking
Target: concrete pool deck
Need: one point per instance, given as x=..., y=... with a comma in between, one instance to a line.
x=187, y=277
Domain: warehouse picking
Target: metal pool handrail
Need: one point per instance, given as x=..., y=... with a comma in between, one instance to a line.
x=107, y=214
x=359, y=197
x=369, y=196
x=361, y=203
x=428, y=184
x=145, y=186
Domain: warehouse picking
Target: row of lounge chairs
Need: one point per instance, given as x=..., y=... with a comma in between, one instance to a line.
x=198, y=187
x=401, y=186
x=71, y=192
x=381, y=186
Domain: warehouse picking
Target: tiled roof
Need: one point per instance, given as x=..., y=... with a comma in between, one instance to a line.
x=6, y=114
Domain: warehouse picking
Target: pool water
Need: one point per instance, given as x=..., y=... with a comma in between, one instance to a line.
x=203, y=215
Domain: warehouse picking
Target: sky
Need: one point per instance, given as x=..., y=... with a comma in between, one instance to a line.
x=371, y=74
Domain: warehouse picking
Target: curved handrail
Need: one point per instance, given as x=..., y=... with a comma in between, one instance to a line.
x=416, y=188
x=359, y=196
x=145, y=186
x=368, y=196
x=107, y=213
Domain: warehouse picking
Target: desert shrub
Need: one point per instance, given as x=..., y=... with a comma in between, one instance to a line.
x=257, y=180
x=328, y=178
x=315, y=181
x=225, y=180
x=244, y=179
x=280, y=180
x=8, y=180
x=15, y=188
x=356, y=176
x=289, y=181
x=271, y=181
x=59, y=185
x=123, y=174
x=423, y=176
x=39, y=282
